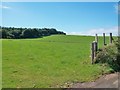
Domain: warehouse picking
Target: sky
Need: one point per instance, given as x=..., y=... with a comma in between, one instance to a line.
x=74, y=18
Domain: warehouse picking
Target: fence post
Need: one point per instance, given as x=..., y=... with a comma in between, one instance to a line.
x=96, y=38
x=104, y=39
x=92, y=53
x=110, y=38
x=95, y=49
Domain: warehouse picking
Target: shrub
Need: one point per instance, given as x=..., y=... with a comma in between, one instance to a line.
x=110, y=54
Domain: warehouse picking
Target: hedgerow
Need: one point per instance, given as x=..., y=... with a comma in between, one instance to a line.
x=110, y=55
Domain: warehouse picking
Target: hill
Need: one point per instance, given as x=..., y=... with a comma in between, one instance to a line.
x=50, y=61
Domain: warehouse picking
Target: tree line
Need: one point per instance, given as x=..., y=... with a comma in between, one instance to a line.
x=22, y=33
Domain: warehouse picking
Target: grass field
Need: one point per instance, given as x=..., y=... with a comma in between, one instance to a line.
x=51, y=61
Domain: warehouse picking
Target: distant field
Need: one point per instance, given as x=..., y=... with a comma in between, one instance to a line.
x=48, y=62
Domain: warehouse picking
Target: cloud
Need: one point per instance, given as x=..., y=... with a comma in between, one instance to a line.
x=98, y=31
x=74, y=33
x=4, y=7
x=117, y=8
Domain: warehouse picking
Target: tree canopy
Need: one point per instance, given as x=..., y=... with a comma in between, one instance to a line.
x=18, y=33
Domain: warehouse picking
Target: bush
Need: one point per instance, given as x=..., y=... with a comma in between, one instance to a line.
x=109, y=54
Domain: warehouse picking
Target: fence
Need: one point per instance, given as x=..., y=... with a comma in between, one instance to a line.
x=94, y=46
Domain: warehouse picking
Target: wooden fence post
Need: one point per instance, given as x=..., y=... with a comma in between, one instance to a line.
x=110, y=38
x=104, y=39
x=96, y=38
x=95, y=49
x=92, y=53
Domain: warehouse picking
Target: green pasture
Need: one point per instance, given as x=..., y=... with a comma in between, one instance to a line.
x=52, y=61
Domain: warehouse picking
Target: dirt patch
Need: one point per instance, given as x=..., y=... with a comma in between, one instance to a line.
x=106, y=81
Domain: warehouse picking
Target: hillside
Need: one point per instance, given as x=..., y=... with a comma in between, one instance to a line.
x=50, y=61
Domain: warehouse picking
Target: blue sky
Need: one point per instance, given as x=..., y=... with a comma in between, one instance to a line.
x=71, y=17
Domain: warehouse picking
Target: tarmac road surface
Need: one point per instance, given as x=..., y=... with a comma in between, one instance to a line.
x=106, y=81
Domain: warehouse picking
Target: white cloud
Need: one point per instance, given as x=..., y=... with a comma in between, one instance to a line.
x=117, y=8
x=4, y=7
x=74, y=33
x=98, y=31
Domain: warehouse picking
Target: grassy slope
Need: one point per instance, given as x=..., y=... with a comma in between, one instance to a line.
x=48, y=62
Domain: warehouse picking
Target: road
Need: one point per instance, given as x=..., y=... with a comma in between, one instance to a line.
x=106, y=81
